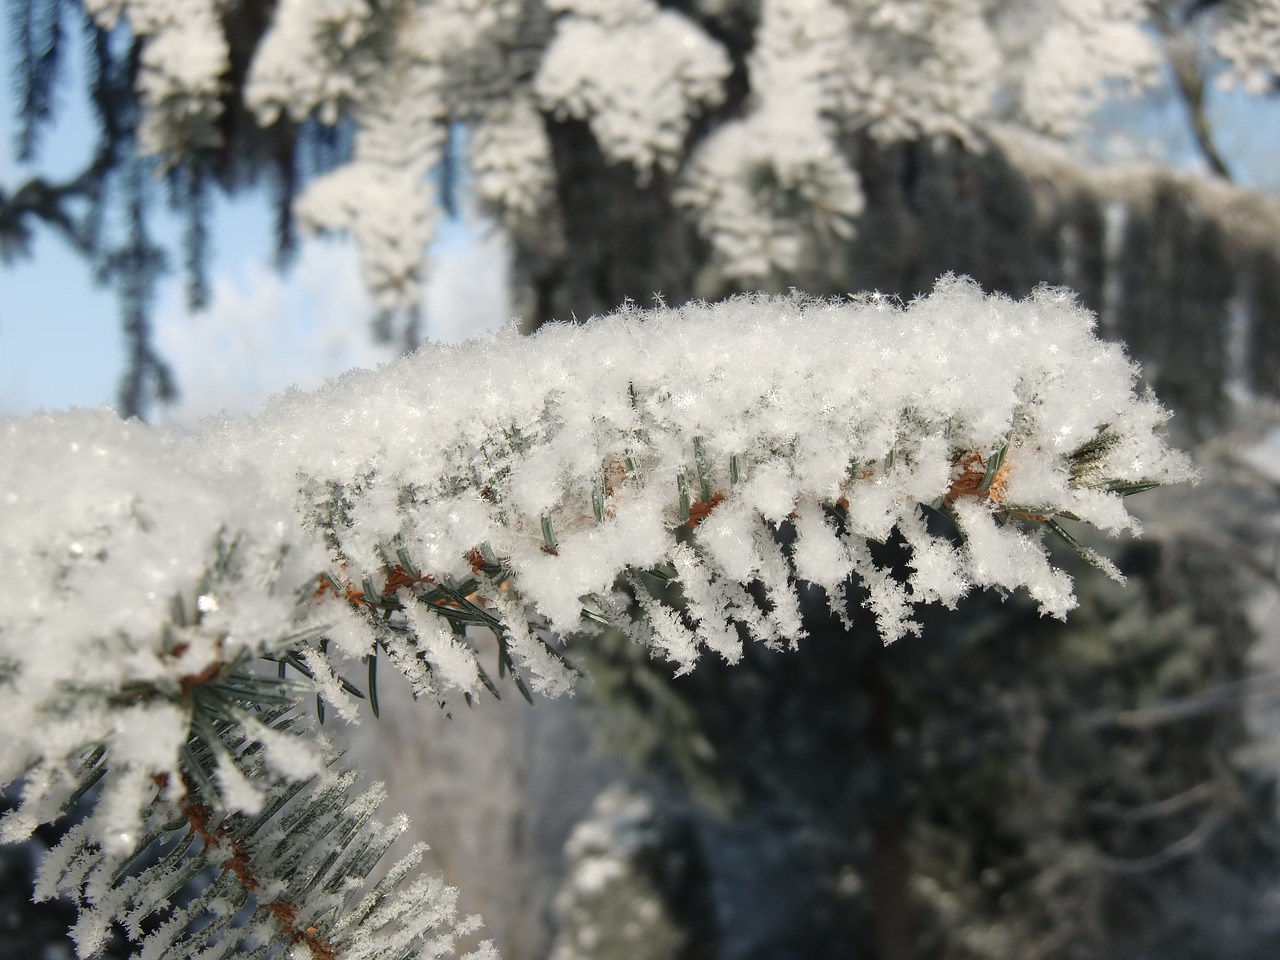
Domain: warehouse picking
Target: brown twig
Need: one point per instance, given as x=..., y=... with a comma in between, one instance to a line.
x=199, y=817
x=698, y=511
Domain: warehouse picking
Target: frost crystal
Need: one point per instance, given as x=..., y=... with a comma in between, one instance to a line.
x=512, y=472
x=721, y=421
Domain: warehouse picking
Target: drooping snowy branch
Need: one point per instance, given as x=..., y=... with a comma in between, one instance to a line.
x=183, y=58
x=759, y=176
x=758, y=186
x=1077, y=53
x=753, y=174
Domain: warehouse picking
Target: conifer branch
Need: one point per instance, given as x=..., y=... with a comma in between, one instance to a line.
x=155, y=573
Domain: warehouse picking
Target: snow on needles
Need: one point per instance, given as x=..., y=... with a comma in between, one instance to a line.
x=529, y=479
x=641, y=114
x=128, y=569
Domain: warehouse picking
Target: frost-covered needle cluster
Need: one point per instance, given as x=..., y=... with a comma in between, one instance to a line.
x=530, y=486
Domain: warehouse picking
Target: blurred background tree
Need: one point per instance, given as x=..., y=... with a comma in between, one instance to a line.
x=997, y=787
x=690, y=148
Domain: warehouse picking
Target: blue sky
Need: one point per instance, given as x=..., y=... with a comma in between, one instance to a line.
x=59, y=339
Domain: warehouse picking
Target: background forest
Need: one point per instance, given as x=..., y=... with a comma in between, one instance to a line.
x=1002, y=785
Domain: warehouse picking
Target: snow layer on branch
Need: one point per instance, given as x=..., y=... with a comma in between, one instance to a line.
x=401, y=72
x=510, y=159
x=382, y=196
x=537, y=475
x=950, y=84
x=760, y=181
x=763, y=186
x=1075, y=44
x=759, y=186
x=307, y=60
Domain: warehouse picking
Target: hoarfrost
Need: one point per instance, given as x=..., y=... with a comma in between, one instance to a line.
x=864, y=407
x=519, y=482
x=1248, y=37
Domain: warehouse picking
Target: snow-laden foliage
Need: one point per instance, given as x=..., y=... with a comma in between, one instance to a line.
x=179, y=75
x=117, y=548
x=760, y=184
x=1066, y=42
x=141, y=687
x=1248, y=38
x=531, y=487
x=291, y=868
x=759, y=151
x=540, y=471
x=642, y=113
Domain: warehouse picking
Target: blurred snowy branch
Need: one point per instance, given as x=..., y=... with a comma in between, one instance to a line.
x=758, y=149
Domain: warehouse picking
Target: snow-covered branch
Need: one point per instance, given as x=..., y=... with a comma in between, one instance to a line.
x=531, y=487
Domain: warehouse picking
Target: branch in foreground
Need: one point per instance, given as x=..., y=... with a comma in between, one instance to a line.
x=530, y=487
